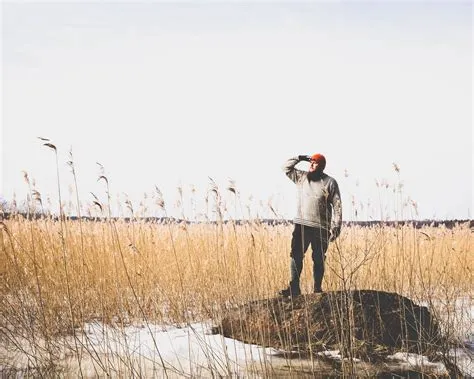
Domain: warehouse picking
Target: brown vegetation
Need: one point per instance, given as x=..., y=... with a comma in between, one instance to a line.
x=72, y=272
x=360, y=324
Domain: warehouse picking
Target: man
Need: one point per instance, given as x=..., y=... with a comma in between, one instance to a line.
x=318, y=199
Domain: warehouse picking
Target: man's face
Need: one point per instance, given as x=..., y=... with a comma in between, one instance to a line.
x=313, y=166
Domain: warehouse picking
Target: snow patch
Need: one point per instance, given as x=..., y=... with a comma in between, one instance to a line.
x=419, y=361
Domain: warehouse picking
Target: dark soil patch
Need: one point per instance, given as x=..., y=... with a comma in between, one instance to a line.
x=360, y=324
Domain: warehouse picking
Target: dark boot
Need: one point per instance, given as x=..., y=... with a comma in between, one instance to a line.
x=318, y=272
x=291, y=291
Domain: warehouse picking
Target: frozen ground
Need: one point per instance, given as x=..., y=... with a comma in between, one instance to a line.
x=193, y=351
x=147, y=350
x=157, y=351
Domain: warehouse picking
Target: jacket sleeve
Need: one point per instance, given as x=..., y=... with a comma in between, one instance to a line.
x=290, y=170
x=335, y=199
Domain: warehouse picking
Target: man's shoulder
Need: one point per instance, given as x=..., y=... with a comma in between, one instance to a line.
x=329, y=180
x=327, y=177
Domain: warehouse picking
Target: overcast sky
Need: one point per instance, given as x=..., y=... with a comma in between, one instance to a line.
x=170, y=94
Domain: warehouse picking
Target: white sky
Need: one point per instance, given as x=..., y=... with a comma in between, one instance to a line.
x=169, y=94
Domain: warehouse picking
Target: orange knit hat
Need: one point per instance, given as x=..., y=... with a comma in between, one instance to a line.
x=320, y=160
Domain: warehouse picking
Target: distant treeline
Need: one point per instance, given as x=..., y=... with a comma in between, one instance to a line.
x=171, y=220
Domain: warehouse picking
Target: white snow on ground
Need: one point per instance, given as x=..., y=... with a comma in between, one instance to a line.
x=419, y=361
x=463, y=358
x=143, y=350
x=457, y=316
x=192, y=350
x=457, y=320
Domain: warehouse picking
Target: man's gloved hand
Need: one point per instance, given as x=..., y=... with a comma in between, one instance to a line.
x=335, y=231
x=306, y=158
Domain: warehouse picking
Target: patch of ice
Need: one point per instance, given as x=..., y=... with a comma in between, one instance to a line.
x=464, y=360
x=181, y=349
x=417, y=361
x=333, y=354
x=336, y=355
x=192, y=350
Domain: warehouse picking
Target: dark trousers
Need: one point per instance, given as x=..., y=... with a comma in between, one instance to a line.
x=302, y=237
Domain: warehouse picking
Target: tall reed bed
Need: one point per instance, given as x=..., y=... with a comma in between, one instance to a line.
x=180, y=272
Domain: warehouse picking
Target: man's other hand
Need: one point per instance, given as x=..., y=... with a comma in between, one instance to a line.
x=335, y=231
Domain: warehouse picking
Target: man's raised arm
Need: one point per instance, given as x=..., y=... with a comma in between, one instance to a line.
x=290, y=170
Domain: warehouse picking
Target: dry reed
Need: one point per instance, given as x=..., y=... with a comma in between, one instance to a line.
x=181, y=272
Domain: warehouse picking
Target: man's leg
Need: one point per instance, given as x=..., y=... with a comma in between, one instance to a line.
x=319, y=245
x=299, y=244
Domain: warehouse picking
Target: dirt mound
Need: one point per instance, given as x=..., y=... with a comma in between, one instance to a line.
x=360, y=324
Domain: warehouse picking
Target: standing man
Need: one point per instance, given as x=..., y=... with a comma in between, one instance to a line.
x=318, y=200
